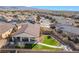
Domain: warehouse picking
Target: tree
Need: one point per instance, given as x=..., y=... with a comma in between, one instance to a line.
x=47, y=17
x=13, y=12
x=52, y=20
x=38, y=18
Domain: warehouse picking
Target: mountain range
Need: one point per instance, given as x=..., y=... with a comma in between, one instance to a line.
x=16, y=8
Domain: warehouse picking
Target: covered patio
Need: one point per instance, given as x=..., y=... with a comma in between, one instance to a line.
x=24, y=37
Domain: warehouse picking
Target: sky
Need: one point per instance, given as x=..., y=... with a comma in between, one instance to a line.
x=65, y=8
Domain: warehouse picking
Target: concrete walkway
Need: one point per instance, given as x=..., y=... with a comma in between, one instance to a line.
x=67, y=48
x=50, y=45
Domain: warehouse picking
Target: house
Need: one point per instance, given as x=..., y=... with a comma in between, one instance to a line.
x=2, y=19
x=76, y=22
x=32, y=17
x=22, y=17
x=28, y=33
x=45, y=22
x=70, y=31
x=5, y=29
x=63, y=20
x=8, y=18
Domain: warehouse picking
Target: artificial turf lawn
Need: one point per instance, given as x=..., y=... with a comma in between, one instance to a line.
x=50, y=41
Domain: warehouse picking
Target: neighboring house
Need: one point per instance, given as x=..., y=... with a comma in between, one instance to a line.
x=69, y=21
x=8, y=18
x=63, y=20
x=45, y=22
x=32, y=17
x=22, y=17
x=71, y=31
x=76, y=22
x=2, y=18
x=75, y=16
x=28, y=33
x=5, y=29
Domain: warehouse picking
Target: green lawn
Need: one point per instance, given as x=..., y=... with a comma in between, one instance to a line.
x=41, y=48
x=38, y=46
x=47, y=40
x=50, y=41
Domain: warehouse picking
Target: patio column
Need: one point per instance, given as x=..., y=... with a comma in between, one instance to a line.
x=21, y=39
x=12, y=39
x=29, y=39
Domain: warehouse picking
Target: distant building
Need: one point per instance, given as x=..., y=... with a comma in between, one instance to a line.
x=22, y=17
x=8, y=18
x=2, y=19
x=76, y=22
x=63, y=20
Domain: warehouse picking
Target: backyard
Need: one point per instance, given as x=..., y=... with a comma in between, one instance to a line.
x=50, y=41
x=39, y=47
x=47, y=43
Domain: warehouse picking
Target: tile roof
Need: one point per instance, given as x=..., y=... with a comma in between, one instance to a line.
x=5, y=27
x=31, y=29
